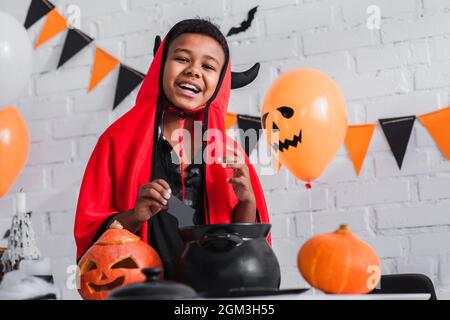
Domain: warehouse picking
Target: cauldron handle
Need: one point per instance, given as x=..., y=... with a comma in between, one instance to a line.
x=230, y=238
x=151, y=274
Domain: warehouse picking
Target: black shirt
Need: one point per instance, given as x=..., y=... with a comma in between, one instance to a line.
x=163, y=233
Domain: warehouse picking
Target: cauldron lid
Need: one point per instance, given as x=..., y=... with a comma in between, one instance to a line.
x=153, y=289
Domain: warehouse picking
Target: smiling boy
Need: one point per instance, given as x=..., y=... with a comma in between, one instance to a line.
x=131, y=173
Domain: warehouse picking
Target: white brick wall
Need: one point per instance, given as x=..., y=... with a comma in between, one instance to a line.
x=401, y=69
x=303, y=18
x=336, y=40
x=430, y=25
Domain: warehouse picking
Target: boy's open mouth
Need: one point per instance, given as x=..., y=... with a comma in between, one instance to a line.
x=189, y=86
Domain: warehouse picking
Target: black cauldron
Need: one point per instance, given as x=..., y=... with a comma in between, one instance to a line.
x=220, y=258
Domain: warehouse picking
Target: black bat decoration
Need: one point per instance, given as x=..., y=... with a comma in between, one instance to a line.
x=244, y=24
x=7, y=233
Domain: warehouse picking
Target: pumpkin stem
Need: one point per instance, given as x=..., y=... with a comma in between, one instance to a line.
x=343, y=227
x=116, y=225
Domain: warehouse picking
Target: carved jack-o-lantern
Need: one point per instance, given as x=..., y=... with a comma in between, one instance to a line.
x=116, y=259
x=304, y=118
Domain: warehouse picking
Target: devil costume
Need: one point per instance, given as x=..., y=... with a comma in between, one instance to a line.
x=132, y=152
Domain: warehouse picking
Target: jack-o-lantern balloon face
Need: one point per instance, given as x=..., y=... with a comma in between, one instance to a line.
x=292, y=138
x=116, y=259
x=304, y=118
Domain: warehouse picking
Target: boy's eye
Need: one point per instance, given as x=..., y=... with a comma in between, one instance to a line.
x=207, y=66
x=182, y=59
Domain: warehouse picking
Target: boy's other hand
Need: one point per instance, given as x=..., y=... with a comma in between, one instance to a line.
x=151, y=198
x=241, y=179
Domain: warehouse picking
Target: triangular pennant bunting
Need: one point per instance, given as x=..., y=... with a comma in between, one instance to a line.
x=104, y=63
x=128, y=80
x=397, y=132
x=438, y=125
x=230, y=120
x=357, y=142
x=76, y=40
x=278, y=165
x=36, y=10
x=249, y=123
x=54, y=25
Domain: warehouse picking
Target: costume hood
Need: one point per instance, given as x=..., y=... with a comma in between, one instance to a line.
x=122, y=160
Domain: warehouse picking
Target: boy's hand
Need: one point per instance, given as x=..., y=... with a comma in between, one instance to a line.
x=241, y=180
x=151, y=198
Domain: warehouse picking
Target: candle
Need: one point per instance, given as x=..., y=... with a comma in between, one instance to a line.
x=21, y=202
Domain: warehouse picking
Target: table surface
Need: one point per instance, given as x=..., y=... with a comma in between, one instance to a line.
x=318, y=295
x=410, y=296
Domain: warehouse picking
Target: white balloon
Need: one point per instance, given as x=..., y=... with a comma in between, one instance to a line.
x=15, y=58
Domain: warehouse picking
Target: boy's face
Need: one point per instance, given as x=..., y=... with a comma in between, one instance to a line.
x=192, y=70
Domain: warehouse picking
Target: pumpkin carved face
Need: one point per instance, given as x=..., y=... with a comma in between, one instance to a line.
x=116, y=259
x=304, y=119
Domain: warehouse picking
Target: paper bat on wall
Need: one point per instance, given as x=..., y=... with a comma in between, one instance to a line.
x=244, y=24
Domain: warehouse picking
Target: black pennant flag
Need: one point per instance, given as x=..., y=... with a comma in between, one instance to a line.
x=397, y=132
x=76, y=40
x=37, y=9
x=128, y=80
x=248, y=137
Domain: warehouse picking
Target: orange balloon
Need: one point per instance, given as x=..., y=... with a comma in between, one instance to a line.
x=14, y=147
x=304, y=118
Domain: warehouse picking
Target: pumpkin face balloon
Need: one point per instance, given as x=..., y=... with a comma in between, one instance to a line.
x=304, y=118
x=116, y=259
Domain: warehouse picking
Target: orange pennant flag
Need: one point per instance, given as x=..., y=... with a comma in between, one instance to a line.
x=54, y=24
x=277, y=165
x=438, y=125
x=357, y=142
x=230, y=120
x=104, y=63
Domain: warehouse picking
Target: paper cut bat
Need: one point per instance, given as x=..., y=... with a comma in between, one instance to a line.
x=182, y=212
x=244, y=24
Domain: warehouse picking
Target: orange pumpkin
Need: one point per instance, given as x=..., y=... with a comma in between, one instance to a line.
x=339, y=262
x=116, y=259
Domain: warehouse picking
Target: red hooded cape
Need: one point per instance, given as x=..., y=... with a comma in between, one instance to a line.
x=122, y=160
